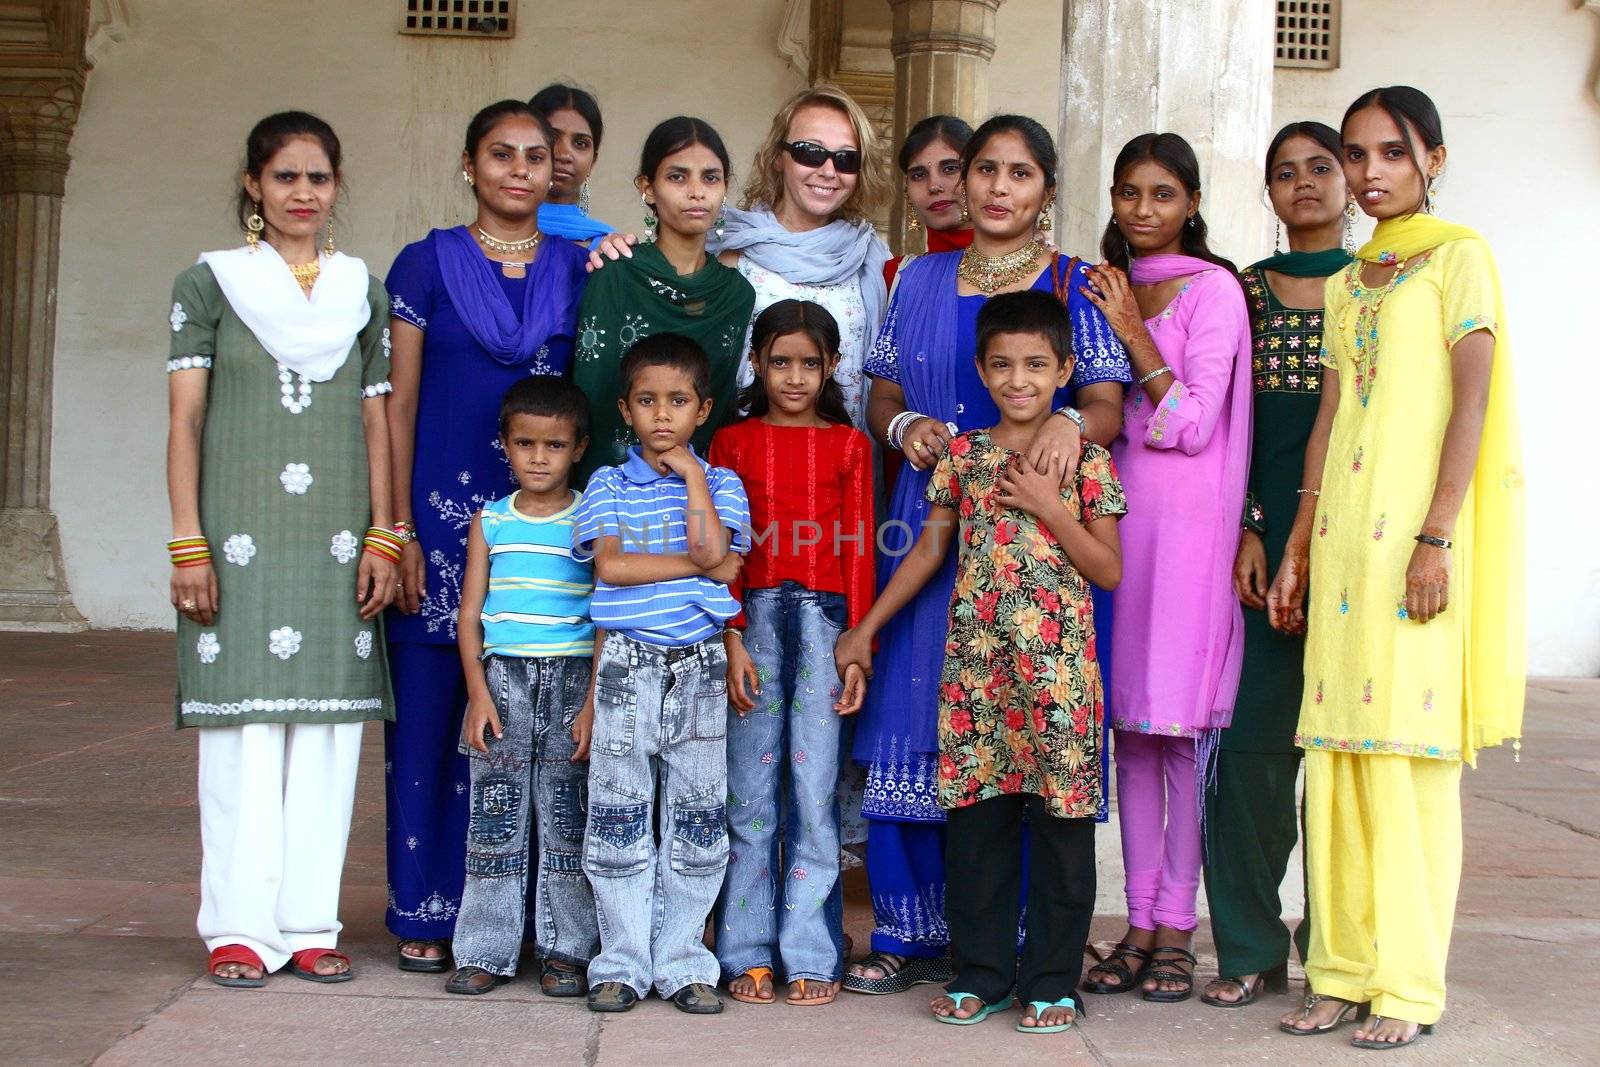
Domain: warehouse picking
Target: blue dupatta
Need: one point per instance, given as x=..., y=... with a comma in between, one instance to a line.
x=549, y=303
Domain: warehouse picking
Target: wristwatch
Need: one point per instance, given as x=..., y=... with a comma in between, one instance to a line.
x=1076, y=416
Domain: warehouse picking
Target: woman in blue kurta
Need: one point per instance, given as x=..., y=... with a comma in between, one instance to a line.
x=474, y=308
x=924, y=362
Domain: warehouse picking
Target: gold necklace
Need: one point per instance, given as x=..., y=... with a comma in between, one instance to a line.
x=306, y=273
x=509, y=248
x=989, y=274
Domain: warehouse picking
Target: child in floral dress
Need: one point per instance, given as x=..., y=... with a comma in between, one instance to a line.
x=1020, y=708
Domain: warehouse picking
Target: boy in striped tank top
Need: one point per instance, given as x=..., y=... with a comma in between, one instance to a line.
x=528, y=646
x=666, y=531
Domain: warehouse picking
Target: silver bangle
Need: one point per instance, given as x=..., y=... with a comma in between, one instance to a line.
x=1076, y=416
x=1313, y=492
x=1153, y=375
x=899, y=424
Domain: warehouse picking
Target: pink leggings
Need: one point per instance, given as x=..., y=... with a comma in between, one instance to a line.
x=1158, y=807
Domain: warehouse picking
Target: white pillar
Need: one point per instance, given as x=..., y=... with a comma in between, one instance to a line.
x=1199, y=68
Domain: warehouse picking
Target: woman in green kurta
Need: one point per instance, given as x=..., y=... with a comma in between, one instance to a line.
x=1251, y=822
x=282, y=560
x=669, y=285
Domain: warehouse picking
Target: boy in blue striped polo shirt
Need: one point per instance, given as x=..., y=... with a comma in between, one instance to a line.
x=528, y=647
x=665, y=531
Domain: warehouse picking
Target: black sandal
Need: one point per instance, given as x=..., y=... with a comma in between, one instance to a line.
x=612, y=997
x=1311, y=1001
x=1164, y=967
x=697, y=998
x=1116, y=966
x=424, y=964
x=900, y=973
x=1273, y=980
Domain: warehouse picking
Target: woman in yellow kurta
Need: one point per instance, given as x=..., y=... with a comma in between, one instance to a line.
x=1411, y=513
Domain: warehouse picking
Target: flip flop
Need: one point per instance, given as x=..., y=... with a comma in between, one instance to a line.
x=236, y=954
x=1041, y=1006
x=958, y=999
x=1384, y=1046
x=303, y=964
x=756, y=975
x=805, y=984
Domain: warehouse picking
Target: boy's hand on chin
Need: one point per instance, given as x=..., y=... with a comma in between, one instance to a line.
x=679, y=460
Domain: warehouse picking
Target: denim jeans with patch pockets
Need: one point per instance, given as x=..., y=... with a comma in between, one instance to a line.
x=775, y=908
x=660, y=713
x=528, y=779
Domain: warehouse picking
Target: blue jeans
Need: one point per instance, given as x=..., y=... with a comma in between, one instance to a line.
x=528, y=777
x=774, y=910
x=660, y=713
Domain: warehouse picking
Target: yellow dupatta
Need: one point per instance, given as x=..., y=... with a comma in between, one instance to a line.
x=1496, y=633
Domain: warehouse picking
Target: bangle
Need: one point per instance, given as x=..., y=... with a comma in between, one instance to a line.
x=1076, y=416
x=1153, y=375
x=385, y=544
x=406, y=530
x=1436, y=542
x=1314, y=492
x=898, y=426
x=189, y=552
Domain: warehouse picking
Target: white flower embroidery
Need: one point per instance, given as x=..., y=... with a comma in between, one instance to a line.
x=239, y=549
x=364, y=644
x=464, y=478
x=296, y=399
x=296, y=478
x=284, y=642
x=208, y=647
x=178, y=317
x=388, y=342
x=344, y=546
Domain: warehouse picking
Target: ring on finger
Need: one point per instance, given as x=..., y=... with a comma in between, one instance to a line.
x=188, y=605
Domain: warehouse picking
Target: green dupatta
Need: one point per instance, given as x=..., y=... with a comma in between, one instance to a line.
x=633, y=298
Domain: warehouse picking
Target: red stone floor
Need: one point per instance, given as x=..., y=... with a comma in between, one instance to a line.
x=99, y=962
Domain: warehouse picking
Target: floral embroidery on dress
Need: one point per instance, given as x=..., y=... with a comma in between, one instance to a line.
x=296, y=478
x=364, y=644
x=189, y=363
x=1291, y=331
x=1355, y=461
x=377, y=389
x=239, y=549
x=208, y=647
x=1368, y=303
x=1377, y=528
x=388, y=343
x=1372, y=745
x=1174, y=397
x=178, y=317
x=343, y=546
x=284, y=642
x=405, y=311
x=294, y=399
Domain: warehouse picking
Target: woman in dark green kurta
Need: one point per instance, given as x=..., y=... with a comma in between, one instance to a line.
x=1251, y=824
x=669, y=285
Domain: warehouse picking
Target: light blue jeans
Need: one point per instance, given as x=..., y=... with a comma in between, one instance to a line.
x=775, y=909
x=660, y=718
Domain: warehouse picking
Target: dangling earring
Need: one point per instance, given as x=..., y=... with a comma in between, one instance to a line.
x=650, y=221
x=327, y=245
x=965, y=215
x=1044, y=217
x=1192, y=224
x=1350, y=227
x=467, y=177
x=1433, y=197
x=1277, y=236
x=720, y=225
x=253, y=227
x=912, y=222
x=583, y=197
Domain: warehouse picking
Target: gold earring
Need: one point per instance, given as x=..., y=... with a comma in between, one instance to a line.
x=327, y=246
x=467, y=177
x=912, y=222
x=253, y=227
x=1044, y=217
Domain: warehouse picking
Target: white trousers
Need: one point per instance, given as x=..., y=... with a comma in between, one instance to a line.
x=275, y=804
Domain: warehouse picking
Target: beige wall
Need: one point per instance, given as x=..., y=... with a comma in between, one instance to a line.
x=1513, y=82
x=168, y=107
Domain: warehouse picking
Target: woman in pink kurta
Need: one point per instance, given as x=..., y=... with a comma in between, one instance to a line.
x=1178, y=636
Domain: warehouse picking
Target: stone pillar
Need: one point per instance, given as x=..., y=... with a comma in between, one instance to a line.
x=1199, y=68
x=41, y=87
x=941, y=52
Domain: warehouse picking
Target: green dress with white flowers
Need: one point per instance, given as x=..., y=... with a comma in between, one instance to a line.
x=284, y=503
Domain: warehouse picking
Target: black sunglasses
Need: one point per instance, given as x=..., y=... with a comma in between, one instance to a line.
x=811, y=154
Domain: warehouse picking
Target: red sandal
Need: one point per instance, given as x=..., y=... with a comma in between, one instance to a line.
x=239, y=954
x=303, y=964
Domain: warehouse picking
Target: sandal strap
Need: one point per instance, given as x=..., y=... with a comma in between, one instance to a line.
x=1238, y=983
x=240, y=954
x=1173, y=954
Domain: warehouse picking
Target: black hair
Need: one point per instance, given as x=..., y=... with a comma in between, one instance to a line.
x=780, y=320
x=1320, y=132
x=558, y=97
x=1031, y=312
x=667, y=350
x=268, y=137
x=1037, y=139
x=947, y=128
x=1171, y=153
x=547, y=395
x=1411, y=109
x=673, y=136
x=490, y=117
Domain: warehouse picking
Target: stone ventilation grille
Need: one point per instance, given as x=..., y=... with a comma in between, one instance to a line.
x=460, y=18
x=1308, y=34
